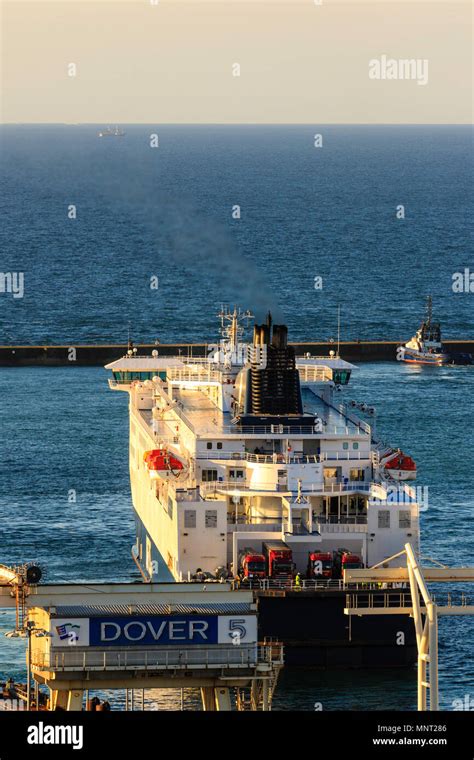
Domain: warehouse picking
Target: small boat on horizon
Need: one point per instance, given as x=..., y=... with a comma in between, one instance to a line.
x=109, y=132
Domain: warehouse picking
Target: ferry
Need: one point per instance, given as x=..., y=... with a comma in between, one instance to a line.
x=247, y=467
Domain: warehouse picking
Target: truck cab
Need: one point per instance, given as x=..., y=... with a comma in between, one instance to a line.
x=279, y=559
x=320, y=565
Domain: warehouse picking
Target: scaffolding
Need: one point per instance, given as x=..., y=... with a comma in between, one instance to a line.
x=419, y=604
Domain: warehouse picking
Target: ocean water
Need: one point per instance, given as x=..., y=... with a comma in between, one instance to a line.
x=63, y=430
x=166, y=213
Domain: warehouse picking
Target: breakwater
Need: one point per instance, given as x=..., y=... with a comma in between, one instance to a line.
x=100, y=354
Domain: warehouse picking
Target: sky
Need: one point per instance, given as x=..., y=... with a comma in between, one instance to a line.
x=174, y=61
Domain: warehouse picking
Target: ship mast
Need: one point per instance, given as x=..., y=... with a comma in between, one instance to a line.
x=429, y=310
x=231, y=327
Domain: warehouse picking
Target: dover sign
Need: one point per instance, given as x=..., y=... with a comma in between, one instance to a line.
x=146, y=630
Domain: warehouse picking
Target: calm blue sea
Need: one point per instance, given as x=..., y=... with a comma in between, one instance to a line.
x=166, y=212
x=64, y=429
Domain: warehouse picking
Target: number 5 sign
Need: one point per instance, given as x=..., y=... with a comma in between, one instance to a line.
x=237, y=629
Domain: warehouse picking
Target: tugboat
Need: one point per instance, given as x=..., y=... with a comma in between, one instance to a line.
x=426, y=346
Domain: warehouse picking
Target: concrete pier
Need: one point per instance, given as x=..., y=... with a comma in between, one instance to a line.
x=100, y=354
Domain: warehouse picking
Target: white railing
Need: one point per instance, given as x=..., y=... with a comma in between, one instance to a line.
x=310, y=373
x=339, y=486
x=341, y=527
x=160, y=658
x=194, y=374
x=242, y=484
x=345, y=456
x=261, y=458
x=309, y=584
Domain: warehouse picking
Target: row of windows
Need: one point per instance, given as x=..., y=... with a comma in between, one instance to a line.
x=404, y=518
x=335, y=472
x=210, y=518
x=127, y=377
x=345, y=445
x=218, y=445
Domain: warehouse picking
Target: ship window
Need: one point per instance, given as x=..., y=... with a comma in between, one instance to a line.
x=189, y=518
x=404, y=519
x=384, y=518
x=219, y=444
x=357, y=475
x=209, y=475
x=355, y=445
x=209, y=445
x=345, y=445
x=211, y=518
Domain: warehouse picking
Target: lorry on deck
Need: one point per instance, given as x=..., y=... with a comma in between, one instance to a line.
x=279, y=560
x=252, y=564
x=320, y=565
x=343, y=559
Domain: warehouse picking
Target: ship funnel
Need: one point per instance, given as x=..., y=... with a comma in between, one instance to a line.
x=270, y=387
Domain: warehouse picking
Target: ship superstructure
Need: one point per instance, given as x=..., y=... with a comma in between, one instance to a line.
x=251, y=444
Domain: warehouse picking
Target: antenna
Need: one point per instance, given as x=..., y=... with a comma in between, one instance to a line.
x=429, y=308
x=338, y=329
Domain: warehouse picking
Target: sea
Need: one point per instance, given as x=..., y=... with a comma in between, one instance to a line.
x=169, y=213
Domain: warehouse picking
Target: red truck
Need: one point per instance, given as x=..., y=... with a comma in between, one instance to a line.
x=279, y=559
x=345, y=560
x=320, y=565
x=251, y=564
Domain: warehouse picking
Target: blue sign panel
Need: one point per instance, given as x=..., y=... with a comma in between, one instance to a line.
x=153, y=629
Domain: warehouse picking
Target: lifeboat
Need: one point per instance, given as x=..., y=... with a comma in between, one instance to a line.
x=162, y=463
x=399, y=466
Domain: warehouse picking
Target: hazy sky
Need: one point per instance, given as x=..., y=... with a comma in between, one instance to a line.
x=172, y=62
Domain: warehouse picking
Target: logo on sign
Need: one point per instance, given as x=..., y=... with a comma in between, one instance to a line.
x=69, y=631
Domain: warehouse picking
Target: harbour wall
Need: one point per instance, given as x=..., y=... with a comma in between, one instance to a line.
x=100, y=354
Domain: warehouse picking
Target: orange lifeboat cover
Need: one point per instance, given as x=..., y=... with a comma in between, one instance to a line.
x=401, y=462
x=161, y=459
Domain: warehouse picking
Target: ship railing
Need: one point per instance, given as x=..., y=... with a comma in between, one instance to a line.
x=188, y=494
x=345, y=456
x=340, y=485
x=159, y=658
x=241, y=484
x=189, y=374
x=291, y=430
x=246, y=456
x=348, y=414
x=378, y=600
x=311, y=373
x=347, y=520
x=318, y=584
x=271, y=651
